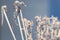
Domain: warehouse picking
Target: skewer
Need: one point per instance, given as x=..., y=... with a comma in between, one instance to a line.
x=17, y=10
x=18, y=6
x=22, y=4
x=3, y=8
x=23, y=23
x=20, y=27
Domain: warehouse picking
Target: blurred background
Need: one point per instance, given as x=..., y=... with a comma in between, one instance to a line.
x=34, y=8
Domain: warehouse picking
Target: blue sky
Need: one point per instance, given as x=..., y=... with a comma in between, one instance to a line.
x=34, y=7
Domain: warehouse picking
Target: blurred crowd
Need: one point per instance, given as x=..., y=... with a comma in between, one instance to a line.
x=47, y=28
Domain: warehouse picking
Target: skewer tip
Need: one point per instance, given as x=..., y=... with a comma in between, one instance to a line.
x=4, y=8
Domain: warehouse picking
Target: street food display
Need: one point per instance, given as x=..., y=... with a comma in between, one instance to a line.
x=46, y=28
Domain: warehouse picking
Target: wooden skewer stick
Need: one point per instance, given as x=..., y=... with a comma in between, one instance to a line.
x=8, y=22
